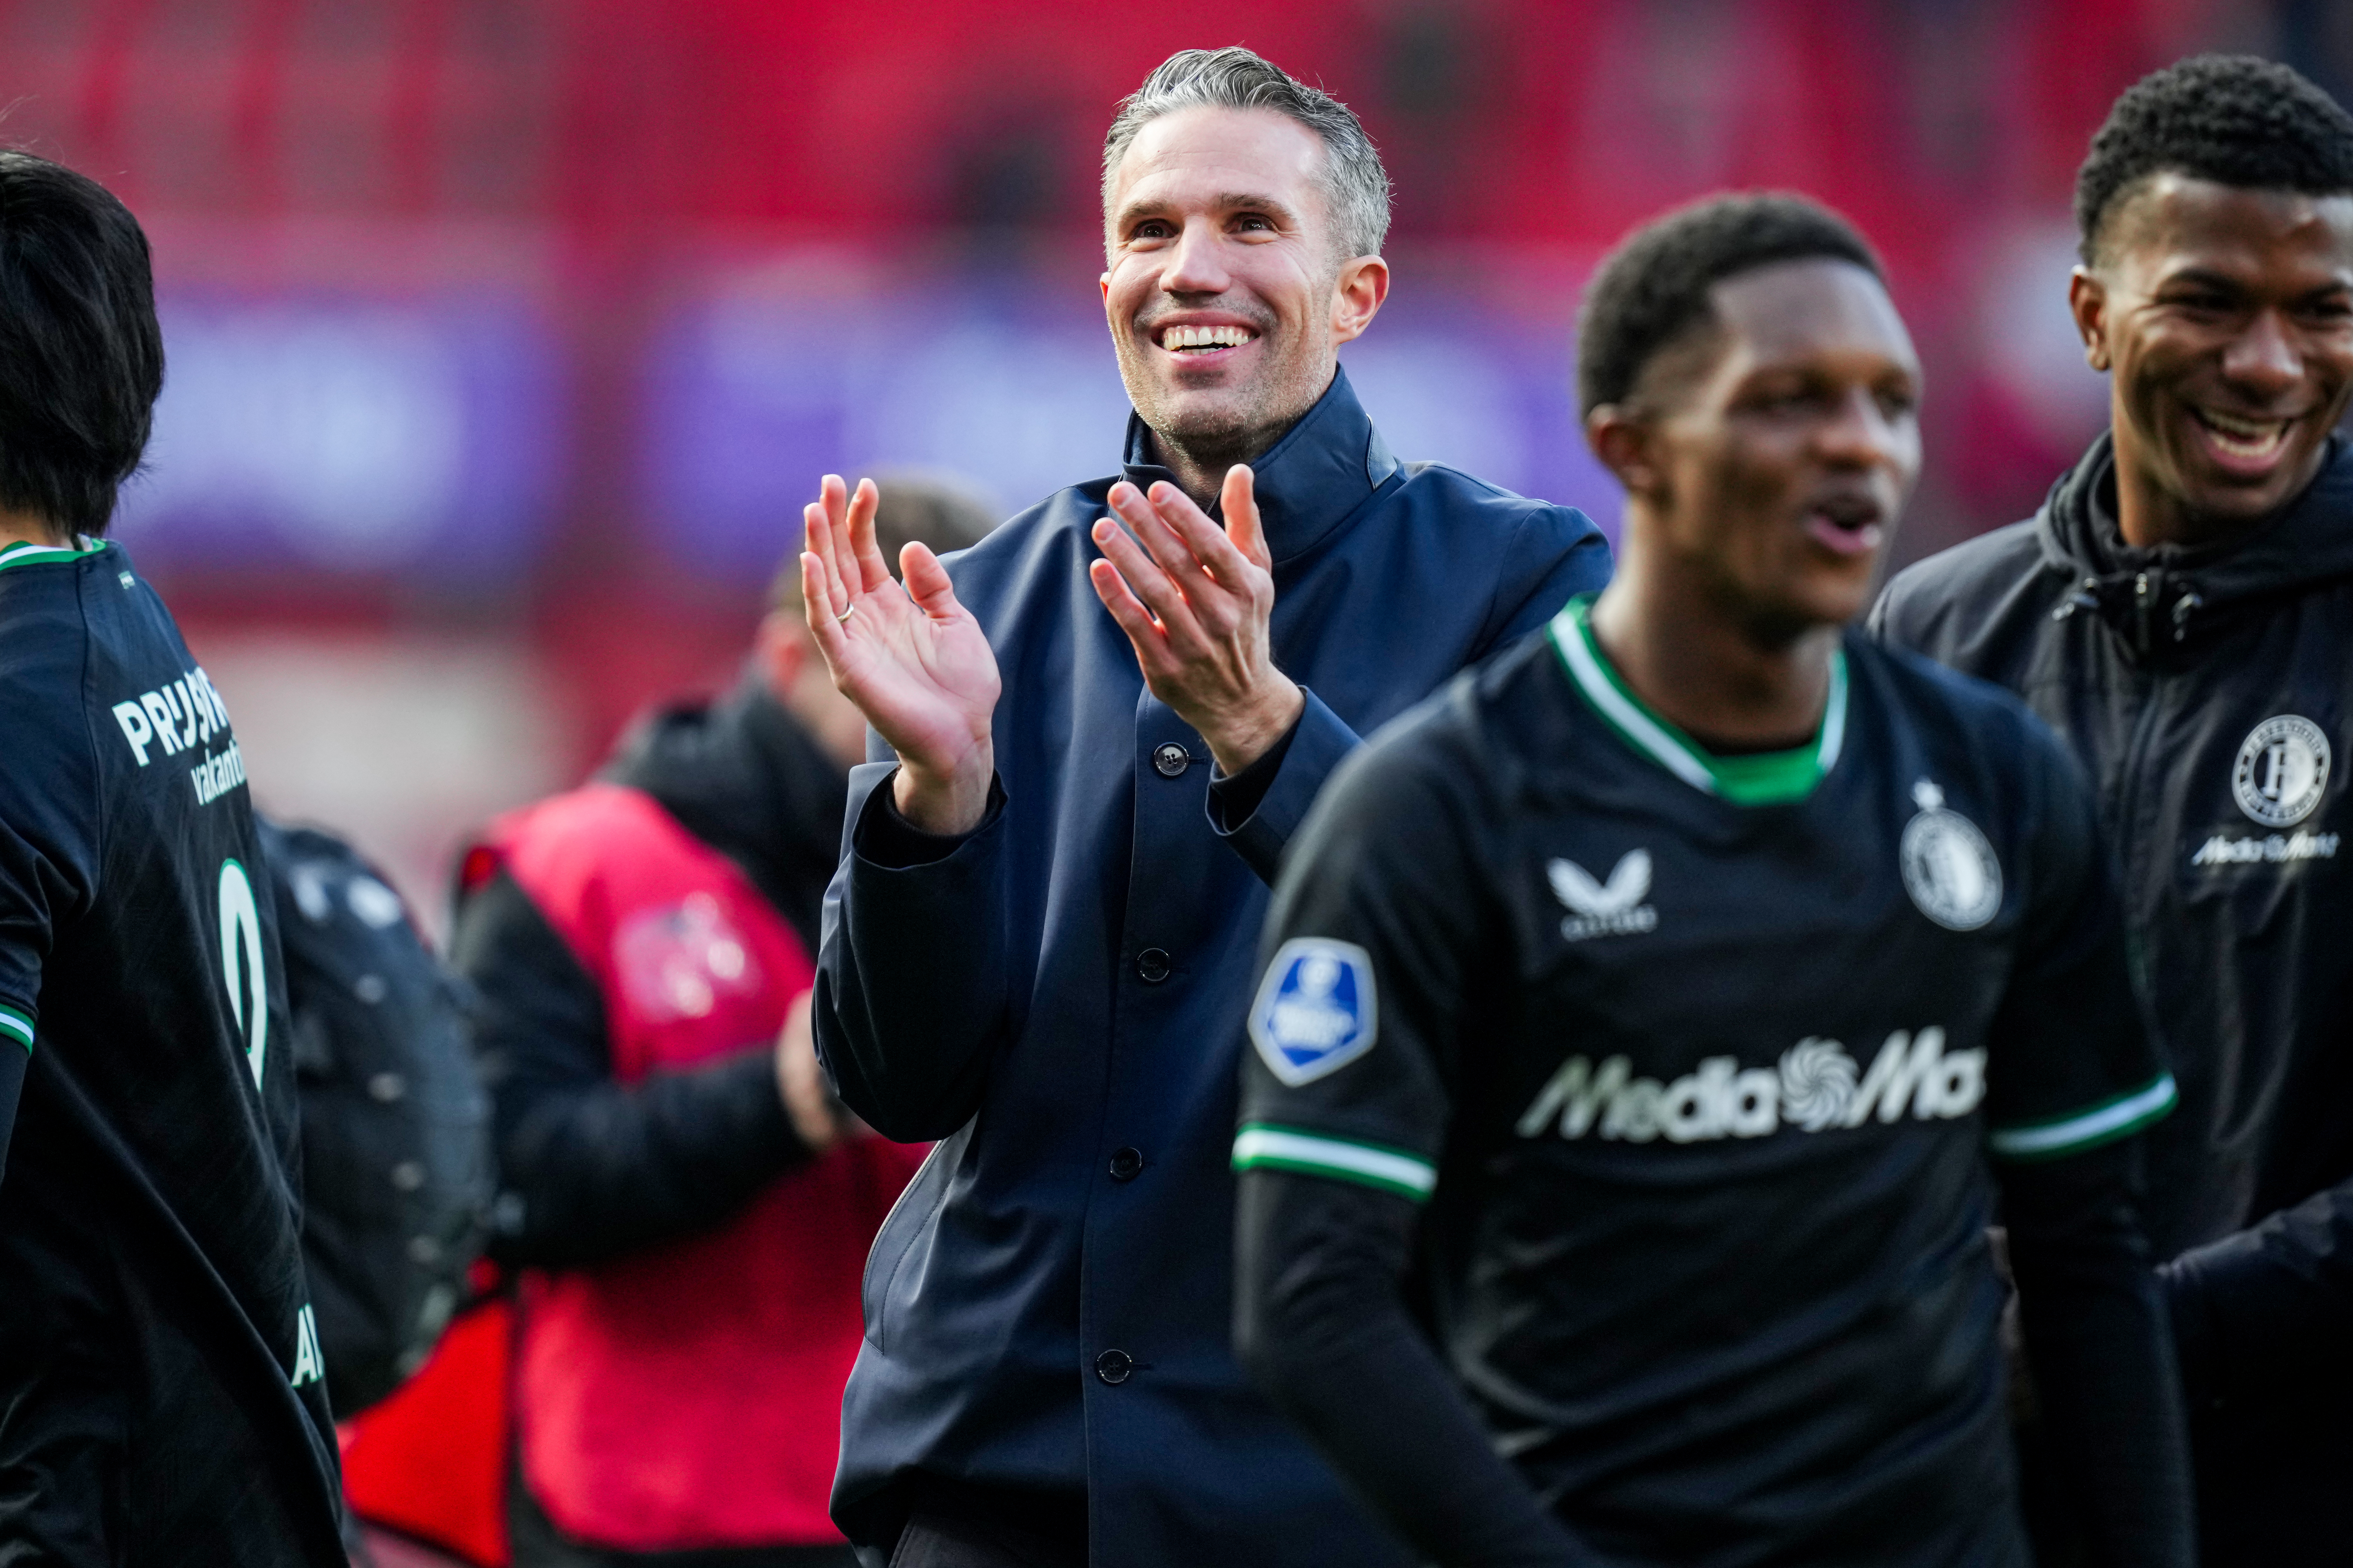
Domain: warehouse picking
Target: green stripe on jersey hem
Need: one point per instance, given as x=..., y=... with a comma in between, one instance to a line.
x=2103, y=1123
x=15, y=1024
x=1260, y=1146
x=1767, y=778
x=28, y=553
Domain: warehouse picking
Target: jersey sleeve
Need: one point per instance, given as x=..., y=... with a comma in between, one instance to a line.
x=48, y=821
x=1353, y=1023
x=2072, y=1066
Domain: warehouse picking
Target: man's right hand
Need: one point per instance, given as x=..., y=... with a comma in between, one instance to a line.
x=913, y=659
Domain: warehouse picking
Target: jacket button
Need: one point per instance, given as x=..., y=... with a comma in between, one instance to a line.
x=1152, y=966
x=1126, y=1165
x=1114, y=1367
x=1169, y=759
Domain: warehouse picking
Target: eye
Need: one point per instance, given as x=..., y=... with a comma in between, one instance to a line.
x=1897, y=402
x=1151, y=228
x=1255, y=222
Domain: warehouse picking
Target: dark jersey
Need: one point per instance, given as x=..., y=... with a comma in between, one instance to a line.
x=1697, y=1062
x=161, y=1399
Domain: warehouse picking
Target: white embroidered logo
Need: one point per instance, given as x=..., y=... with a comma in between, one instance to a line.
x=2281, y=770
x=1816, y=1087
x=1600, y=909
x=1948, y=867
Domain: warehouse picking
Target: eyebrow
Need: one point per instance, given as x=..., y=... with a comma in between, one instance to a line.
x=1227, y=201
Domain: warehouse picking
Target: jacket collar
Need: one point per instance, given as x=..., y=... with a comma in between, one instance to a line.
x=1323, y=469
x=2161, y=596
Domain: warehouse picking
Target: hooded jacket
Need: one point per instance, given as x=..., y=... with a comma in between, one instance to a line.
x=1059, y=995
x=2209, y=691
x=687, y=1306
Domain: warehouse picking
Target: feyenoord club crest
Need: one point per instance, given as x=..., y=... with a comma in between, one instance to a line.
x=2281, y=770
x=1315, y=1011
x=1948, y=867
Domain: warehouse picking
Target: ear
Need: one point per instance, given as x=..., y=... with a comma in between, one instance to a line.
x=2087, y=299
x=781, y=648
x=1626, y=446
x=1357, y=296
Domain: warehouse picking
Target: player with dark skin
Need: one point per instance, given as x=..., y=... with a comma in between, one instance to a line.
x=1766, y=447
x=1763, y=463
x=2226, y=317
x=2179, y=610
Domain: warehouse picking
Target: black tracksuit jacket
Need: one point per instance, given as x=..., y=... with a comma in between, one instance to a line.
x=2210, y=694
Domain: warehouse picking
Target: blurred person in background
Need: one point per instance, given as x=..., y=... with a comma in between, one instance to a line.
x=162, y=1398
x=688, y=1206
x=1040, y=940
x=2181, y=610
x=1565, y=973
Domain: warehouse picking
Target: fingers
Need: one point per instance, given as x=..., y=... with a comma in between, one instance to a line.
x=872, y=570
x=832, y=643
x=1150, y=642
x=927, y=581
x=1244, y=528
x=1147, y=581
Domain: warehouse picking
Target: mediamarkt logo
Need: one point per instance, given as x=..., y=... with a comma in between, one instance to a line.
x=1817, y=1086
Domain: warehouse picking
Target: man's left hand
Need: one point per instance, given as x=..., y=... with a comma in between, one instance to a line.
x=1197, y=602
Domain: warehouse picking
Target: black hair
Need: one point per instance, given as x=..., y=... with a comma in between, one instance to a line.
x=2232, y=119
x=81, y=356
x=1654, y=288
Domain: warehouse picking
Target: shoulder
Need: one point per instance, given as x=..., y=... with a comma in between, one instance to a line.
x=1461, y=497
x=1464, y=742
x=45, y=650
x=1942, y=603
x=1974, y=722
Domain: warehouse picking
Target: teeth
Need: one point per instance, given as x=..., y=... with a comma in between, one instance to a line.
x=2243, y=437
x=1175, y=338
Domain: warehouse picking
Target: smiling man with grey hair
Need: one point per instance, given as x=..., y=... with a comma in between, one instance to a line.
x=1093, y=734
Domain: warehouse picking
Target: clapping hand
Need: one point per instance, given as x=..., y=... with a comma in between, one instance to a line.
x=913, y=658
x=1198, y=603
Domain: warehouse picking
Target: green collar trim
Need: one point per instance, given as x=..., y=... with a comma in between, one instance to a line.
x=1767, y=778
x=28, y=553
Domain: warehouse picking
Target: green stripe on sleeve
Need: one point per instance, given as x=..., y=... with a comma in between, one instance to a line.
x=2103, y=1123
x=15, y=1023
x=1262, y=1147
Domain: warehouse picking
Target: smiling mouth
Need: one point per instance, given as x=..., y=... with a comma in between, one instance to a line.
x=2247, y=440
x=1192, y=341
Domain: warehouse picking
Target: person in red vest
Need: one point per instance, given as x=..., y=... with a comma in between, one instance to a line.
x=688, y=1208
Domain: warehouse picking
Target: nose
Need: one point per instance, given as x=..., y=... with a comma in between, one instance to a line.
x=1860, y=435
x=1197, y=263
x=2263, y=360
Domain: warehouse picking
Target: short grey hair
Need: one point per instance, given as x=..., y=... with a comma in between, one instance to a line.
x=1355, y=187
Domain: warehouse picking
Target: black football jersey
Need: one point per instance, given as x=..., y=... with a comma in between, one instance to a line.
x=1698, y=1062
x=161, y=1399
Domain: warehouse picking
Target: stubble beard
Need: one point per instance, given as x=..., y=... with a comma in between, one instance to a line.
x=1236, y=425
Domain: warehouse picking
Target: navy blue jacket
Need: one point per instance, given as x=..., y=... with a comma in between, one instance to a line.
x=1060, y=998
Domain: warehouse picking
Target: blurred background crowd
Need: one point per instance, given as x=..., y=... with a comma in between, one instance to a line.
x=507, y=336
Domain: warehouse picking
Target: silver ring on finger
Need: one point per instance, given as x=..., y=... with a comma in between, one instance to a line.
x=846, y=613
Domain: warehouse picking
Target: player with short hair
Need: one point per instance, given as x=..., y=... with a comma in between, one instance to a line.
x=160, y=1400
x=2182, y=612
x=1667, y=1003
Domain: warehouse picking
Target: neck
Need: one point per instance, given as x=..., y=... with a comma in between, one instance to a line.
x=1723, y=680
x=2149, y=515
x=1199, y=466
x=31, y=528
x=1199, y=461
